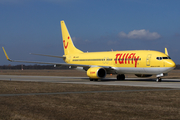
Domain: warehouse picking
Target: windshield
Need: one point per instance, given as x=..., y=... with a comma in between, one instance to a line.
x=161, y=58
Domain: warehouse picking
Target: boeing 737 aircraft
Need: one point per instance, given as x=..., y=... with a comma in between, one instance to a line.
x=142, y=63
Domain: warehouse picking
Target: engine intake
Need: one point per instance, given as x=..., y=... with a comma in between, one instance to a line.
x=96, y=72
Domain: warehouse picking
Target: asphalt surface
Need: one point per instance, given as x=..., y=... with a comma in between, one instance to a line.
x=166, y=83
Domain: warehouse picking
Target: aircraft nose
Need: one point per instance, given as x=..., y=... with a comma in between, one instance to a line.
x=171, y=64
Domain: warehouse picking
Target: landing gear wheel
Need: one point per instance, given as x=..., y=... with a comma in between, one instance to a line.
x=93, y=79
x=158, y=79
x=120, y=77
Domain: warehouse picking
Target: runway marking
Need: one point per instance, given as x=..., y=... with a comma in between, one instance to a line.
x=82, y=92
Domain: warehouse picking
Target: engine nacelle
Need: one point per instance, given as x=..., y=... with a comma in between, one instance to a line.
x=143, y=75
x=96, y=72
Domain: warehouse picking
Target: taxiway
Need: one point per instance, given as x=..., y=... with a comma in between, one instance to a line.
x=166, y=83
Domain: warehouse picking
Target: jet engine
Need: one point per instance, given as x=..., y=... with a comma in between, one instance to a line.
x=143, y=75
x=96, y=72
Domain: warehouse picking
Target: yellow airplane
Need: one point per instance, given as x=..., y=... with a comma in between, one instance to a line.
x=142, y=63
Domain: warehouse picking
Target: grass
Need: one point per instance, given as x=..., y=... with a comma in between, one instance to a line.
x=159, y=105
x=142, y=105
x=93, y=106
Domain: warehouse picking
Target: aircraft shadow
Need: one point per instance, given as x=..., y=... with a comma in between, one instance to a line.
x=167, y=80
x=146, y=80
x=132, y=79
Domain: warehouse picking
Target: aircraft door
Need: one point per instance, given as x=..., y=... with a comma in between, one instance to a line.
x=148, y=60
x=107, y=60
x=104, y=60
x=69, y=59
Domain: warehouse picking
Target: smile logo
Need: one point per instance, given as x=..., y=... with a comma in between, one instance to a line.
x=66, y=45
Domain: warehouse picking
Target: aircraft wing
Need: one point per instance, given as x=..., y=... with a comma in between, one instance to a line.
x=52, y=63
x=48, y=55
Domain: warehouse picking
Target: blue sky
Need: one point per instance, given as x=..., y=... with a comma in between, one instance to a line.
x=33, y=26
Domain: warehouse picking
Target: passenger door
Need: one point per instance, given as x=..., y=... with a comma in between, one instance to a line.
x=148, y=60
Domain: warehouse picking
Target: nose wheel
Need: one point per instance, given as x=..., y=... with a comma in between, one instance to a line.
x=158, y=79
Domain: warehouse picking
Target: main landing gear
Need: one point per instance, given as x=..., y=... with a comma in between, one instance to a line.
x=158, y=79
x=120, y=77
x=93, y=79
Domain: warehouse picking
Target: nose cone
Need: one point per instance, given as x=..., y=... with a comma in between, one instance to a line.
x=171, y=64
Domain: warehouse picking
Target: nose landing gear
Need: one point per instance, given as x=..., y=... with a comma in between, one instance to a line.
x=159, y=76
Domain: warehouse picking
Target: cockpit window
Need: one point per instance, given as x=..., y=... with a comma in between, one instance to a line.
x=166, y=58
x=161, y=58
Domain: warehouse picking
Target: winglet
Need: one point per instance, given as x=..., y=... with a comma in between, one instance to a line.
x=6, y=54
x=166, y=52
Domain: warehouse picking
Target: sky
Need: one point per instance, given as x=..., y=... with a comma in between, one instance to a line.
x=33, y=26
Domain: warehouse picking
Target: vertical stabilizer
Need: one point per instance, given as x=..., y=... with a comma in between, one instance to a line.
x=68, y=45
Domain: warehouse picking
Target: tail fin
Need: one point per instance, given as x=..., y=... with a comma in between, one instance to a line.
x=69, y=47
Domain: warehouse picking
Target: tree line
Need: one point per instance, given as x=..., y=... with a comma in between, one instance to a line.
x=32, y=67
